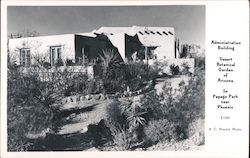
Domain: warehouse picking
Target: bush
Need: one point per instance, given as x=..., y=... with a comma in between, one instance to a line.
x=115, y=115
x=28, y=108
x=185, y=70
x=122, y=138
x=125, y=121
x=196, y=131
x=200, y=62
x=114, y=85
x=75, y=83
x=117, y=123
x=69, y=62
x=136, y=74
x=133, y=75
x=192, y=100
x=99, y=133
x=175, y=70
x=162, y=130
x=187, y=106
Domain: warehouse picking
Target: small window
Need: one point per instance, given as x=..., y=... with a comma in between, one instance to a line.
x=165, y=33
x=158, y=33
x=170, y=33
x=55, y=55
x=25, y=57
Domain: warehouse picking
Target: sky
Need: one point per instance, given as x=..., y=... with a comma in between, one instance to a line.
x=188, y=21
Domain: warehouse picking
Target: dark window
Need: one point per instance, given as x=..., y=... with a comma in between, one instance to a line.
x=25, y=57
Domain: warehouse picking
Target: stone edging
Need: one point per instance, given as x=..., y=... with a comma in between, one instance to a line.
x=80, y=98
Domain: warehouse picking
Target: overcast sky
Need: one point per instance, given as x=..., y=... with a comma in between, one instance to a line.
x=188, y=21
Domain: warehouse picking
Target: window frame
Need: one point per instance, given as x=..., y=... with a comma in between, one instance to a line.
x=55, y=53
x=25, y=57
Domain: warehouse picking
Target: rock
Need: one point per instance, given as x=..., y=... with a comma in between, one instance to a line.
x=78, y=98
x=140, y=91
x=96, y=97
x=129, y=94
x=134, y=93
x=102, y=97
x=137, y=92
x=82, y=98
x=125, y=93
x=88, y=97
x=73, y=115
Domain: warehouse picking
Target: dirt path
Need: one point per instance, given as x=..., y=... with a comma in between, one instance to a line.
x=83, y=114
x=71, y=127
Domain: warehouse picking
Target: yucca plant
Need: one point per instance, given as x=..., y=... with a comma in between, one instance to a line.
x=135, y=113
x=108, y=60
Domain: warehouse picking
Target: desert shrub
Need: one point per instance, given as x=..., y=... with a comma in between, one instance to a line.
x=192, y=100
x=200, y=62
x=114, y=85
x=185, y=69
x=123, y=138
x=150, y=102
x=99, y=133
x=162, y=130
x=59, y=62
x=94, y=86
x=136, y=73
x=175, y=70
x=125, y=121
x=187, y=106
x=114, y=114
x=117, y=123
x=69, y=62
x=75, y=83
x=28, y=108
x=196, y=131
x=132, y=74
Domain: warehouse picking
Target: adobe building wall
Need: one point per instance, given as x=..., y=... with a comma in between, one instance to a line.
x=40, y=47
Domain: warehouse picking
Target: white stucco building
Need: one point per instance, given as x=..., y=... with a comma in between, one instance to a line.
x=159, y=40
x=143, y=42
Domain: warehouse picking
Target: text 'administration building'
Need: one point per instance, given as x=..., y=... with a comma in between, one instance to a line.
x=127, y=42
